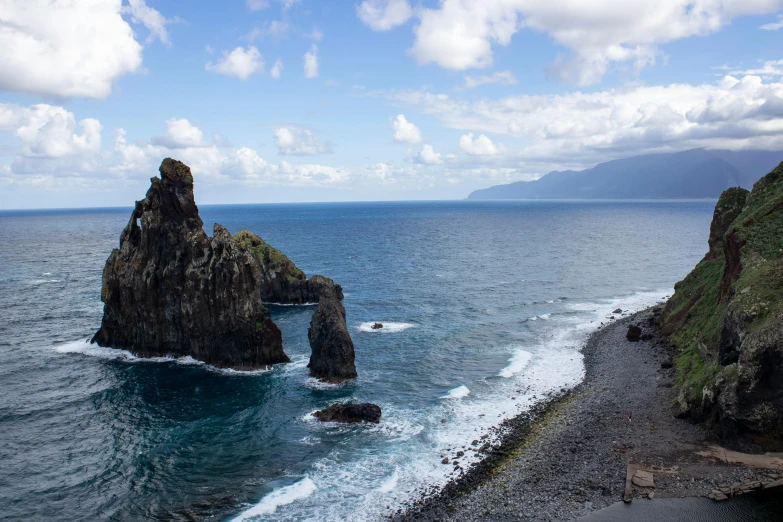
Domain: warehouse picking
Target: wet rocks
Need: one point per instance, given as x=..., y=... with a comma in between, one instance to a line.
x=377, y=326
x=634, y=333
x=332, y=358
x=170, y=289
x=364, y=412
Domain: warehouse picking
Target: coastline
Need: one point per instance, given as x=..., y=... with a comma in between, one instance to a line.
x=570, y=454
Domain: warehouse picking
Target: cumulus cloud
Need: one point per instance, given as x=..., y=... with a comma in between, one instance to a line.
x=42, y=52
x=240, y=63
x=769, y=69
x=501, y=77
x=382, y=15
x=151, y=19
x=311, y=62
x=297, y=141
x=180, y=134
x=579, y=129
x=54, y=150
x=277, y=69
x=460, y=34
x=48, y=131
x=405, y=131
x=428, y=156
x=481, y=146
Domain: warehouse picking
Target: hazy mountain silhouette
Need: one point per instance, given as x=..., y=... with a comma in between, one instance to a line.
x=696, y=173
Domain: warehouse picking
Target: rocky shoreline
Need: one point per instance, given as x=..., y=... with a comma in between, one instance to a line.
x=570, y=455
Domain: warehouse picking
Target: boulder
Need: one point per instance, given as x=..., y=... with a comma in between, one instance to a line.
x=332, y=357
x=170, y=289
x=364, y=412
x=377, y=326
x=617, y=311
x=634, y=333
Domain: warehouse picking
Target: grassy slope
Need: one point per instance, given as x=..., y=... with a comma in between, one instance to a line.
x=694, y=315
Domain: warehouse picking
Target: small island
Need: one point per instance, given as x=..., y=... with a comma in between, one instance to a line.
x=171, y=290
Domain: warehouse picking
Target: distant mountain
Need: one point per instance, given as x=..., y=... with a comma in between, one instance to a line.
x=697, y=173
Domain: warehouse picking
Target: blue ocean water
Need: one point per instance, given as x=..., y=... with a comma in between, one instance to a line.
x=485, y=305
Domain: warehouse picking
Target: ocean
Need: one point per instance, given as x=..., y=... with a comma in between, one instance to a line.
x=485, y=306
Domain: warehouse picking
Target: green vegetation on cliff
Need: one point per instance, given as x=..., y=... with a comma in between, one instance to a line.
x=277, y=261
x=725, y=319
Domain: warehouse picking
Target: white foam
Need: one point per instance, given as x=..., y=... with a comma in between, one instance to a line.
x=387, y=327
x=280, y=497
x=44, y=281
x=545, y=316
x=315, y=384
x=390, y=483
x=117, y=354
x=516, y=364
x=457, y=393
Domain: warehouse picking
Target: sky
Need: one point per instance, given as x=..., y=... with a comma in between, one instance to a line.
x=316, y=100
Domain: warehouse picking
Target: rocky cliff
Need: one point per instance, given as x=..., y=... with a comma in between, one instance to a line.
x=332, y=358
x=725, y=321
x=170, y=289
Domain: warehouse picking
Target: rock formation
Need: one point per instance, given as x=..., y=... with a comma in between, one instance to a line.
x=634, y=333
x=366, y=412
x=725, y=321
x=332, y=357
x=170, y=289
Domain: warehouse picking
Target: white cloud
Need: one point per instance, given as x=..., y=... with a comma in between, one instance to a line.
x=774, y=26
x=768, y=70
x=47, y=131
x=578, y=129
x=65, y=48
x=276, y=29
x=481, y=146
x=277, y=69
x=501, y=77
x=287, y=4
x=428, y=156
x=257, y=5
x=405, y=131
x=315, y=35
x=239, y=63
x=297, y=141
x=460, y=34
x=55, y=151
x=180, y=134
x=382, y=15
x=151, y=19
x=311, y=62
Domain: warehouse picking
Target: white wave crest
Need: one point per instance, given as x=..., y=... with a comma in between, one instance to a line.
x=387, y=327
x=457, y=393
x=280, y=497
x=390, y=483
x=516, y=364
x=117, y=354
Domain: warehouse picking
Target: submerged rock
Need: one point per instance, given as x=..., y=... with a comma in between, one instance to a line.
x=366, y=412
x=170, y=289
x=332, y=357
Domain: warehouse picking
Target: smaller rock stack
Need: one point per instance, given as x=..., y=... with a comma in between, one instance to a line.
x=332, y=358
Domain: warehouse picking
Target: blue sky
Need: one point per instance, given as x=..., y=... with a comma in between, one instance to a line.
x=315, y=100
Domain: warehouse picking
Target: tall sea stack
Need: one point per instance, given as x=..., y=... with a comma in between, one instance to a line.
x=172, y=290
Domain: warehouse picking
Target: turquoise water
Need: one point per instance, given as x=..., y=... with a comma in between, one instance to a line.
x=485, y=303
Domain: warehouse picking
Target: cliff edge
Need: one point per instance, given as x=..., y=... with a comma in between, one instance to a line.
x=725, y=321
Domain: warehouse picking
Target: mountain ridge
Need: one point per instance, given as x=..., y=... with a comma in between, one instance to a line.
x=695, y=173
